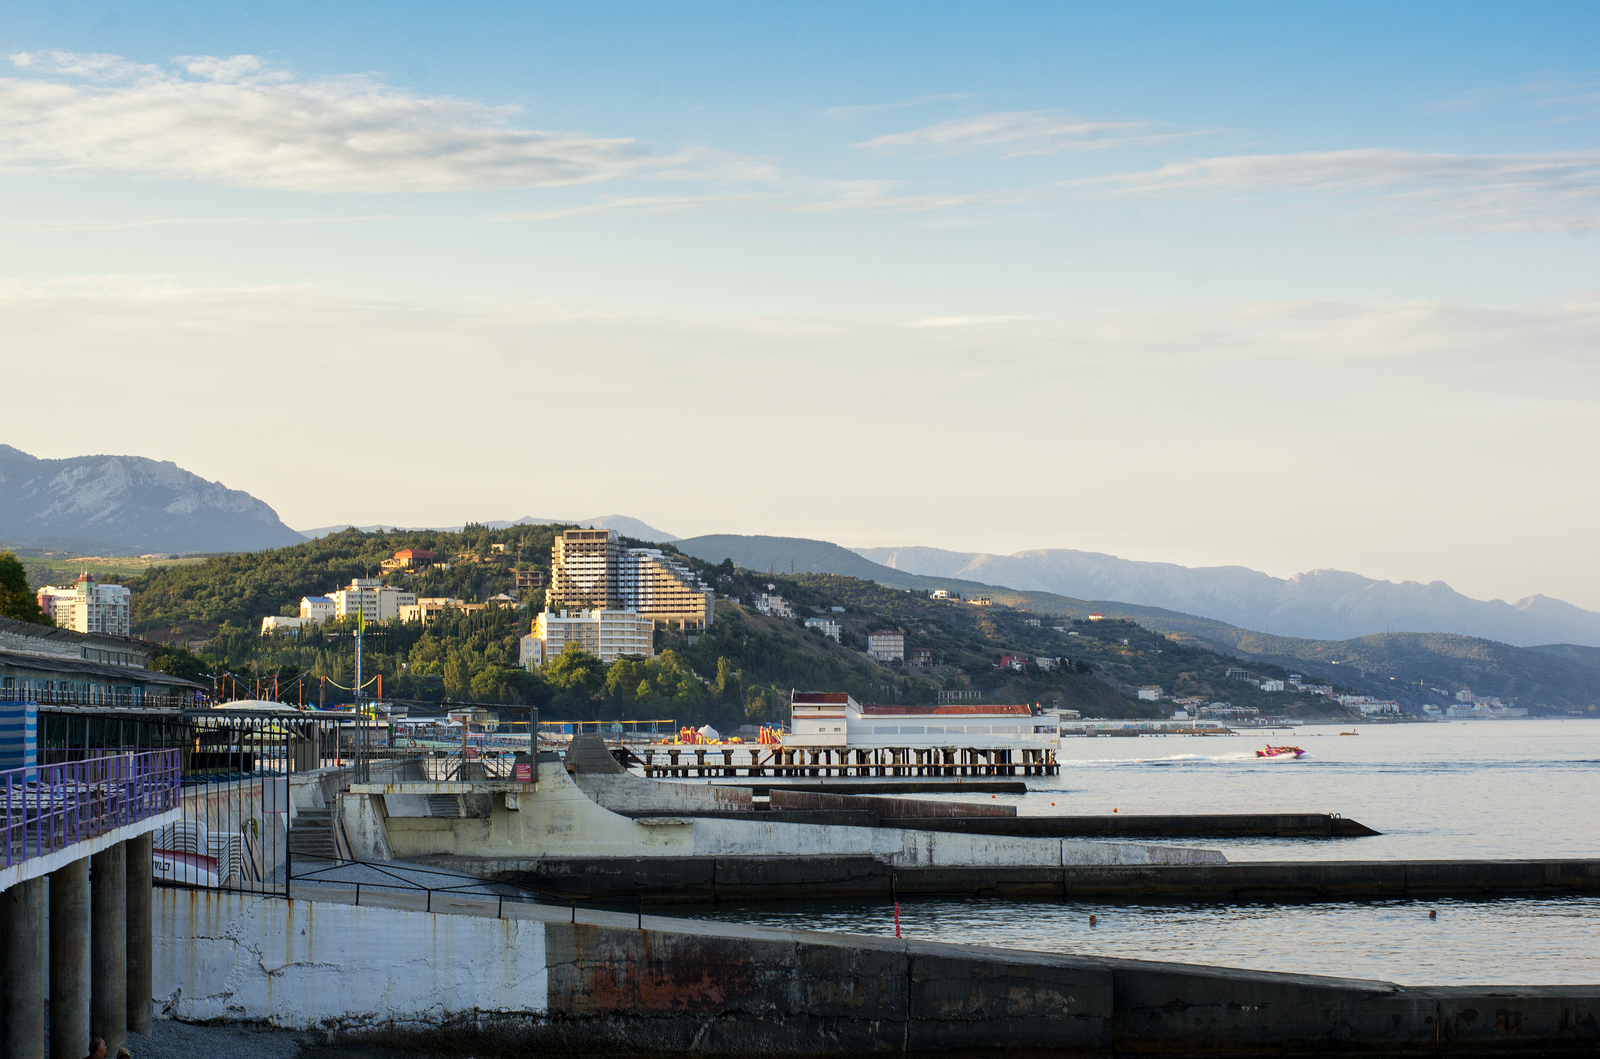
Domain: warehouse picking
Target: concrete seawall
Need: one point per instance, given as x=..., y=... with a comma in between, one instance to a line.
x=666, y=879
x=613, y=984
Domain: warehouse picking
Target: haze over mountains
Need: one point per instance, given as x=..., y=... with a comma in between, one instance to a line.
x=127, y=505
x=112, y=505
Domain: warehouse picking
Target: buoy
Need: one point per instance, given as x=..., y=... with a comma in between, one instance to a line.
x=1052, y=803
x=1432, y=914
x=1093, y=920
x=1113, y=810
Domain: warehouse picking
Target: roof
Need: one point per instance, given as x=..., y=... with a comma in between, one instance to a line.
x=945, y=711
x=59, y=635
x=72, y=667
x=413, y=553
x=820, y=698
x=886, y=632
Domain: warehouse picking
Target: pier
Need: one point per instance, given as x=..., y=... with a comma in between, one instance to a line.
x=695, y=879
x=724, y=762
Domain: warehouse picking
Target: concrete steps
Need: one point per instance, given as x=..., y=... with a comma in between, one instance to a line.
x=311, y=834
x=445, y=805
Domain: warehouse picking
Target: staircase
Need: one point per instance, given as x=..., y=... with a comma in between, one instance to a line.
x=446, y=805
x=311, y=834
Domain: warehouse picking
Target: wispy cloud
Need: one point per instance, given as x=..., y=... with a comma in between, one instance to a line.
x=1575, y=98
x=1021, y=132
x=1546, y=191
x=863, y=109
x=112, y=224
x=239, y=122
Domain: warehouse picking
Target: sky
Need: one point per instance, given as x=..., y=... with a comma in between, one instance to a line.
x=1280, y=286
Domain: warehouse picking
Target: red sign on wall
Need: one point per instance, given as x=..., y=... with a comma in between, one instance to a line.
x=524, y=772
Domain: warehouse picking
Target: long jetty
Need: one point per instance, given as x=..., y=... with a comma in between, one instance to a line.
x=694, y=879
x=724, y=762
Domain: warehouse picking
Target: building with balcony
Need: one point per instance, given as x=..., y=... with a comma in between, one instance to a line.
x=53, y=665
x=827, y=627
x=886, y=645
x=590, y=570
x=606, y=634
x=88, y=606
x=371, y=598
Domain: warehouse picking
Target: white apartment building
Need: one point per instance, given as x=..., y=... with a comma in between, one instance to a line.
x=606, y=634
x=89, y=606
x=317, y=609
x=827, y=626
x=372, y=599
x=774, y=606
x=886, y=645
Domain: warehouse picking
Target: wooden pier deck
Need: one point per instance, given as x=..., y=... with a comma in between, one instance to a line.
x=780, y=762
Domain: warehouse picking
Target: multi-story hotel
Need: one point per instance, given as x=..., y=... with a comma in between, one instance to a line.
x=589, y=569
x=606, y=634
x=89, y=606
x=374, y=600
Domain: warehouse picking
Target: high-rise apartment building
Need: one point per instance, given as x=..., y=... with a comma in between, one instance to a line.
x=89, y=606
x=590, y=569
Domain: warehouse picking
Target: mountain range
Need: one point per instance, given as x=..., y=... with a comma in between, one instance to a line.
x=1318, y=604
x=127, y=505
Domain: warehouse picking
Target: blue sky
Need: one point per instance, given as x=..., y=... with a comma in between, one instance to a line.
x=1285, y=286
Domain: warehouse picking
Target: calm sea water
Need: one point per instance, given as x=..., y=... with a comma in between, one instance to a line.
x=1482, y=789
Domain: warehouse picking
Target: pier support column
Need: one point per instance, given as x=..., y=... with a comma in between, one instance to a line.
x=69, y=961
x=141, y=954
x=22, y=915
x=108, y=946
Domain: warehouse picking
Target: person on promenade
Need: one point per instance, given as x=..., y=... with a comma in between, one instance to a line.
x=97, y=1049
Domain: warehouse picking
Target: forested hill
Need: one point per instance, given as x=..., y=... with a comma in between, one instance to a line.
x=744, y=666
x=194, y=602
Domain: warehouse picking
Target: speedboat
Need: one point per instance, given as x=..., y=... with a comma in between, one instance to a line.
x=1282, y=752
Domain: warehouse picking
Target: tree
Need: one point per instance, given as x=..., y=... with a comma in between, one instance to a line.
x=576, y=672
x=175, y=660
x=16, y=599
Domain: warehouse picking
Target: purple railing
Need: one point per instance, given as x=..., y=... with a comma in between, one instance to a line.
x=49, y=807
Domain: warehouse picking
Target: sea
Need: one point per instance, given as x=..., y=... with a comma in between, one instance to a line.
x=1437, y=791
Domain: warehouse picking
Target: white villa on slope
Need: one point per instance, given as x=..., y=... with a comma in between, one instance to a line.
x=833, y=718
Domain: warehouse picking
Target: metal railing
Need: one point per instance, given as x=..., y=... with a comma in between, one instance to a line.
x=116, y=695
x=50, y=807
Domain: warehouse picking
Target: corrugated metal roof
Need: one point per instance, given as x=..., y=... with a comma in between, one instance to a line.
x=820, y=698
x=73, y=668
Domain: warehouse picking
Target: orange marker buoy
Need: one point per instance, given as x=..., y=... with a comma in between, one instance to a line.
x=1113, y=810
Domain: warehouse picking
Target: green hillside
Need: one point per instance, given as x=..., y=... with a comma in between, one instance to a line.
x=1544, y=679
x=744, y=666
x=1587, y=656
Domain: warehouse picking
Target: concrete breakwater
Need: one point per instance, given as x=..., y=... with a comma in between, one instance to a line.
x=609, y=984
x=667, y=879
x=558, y=817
